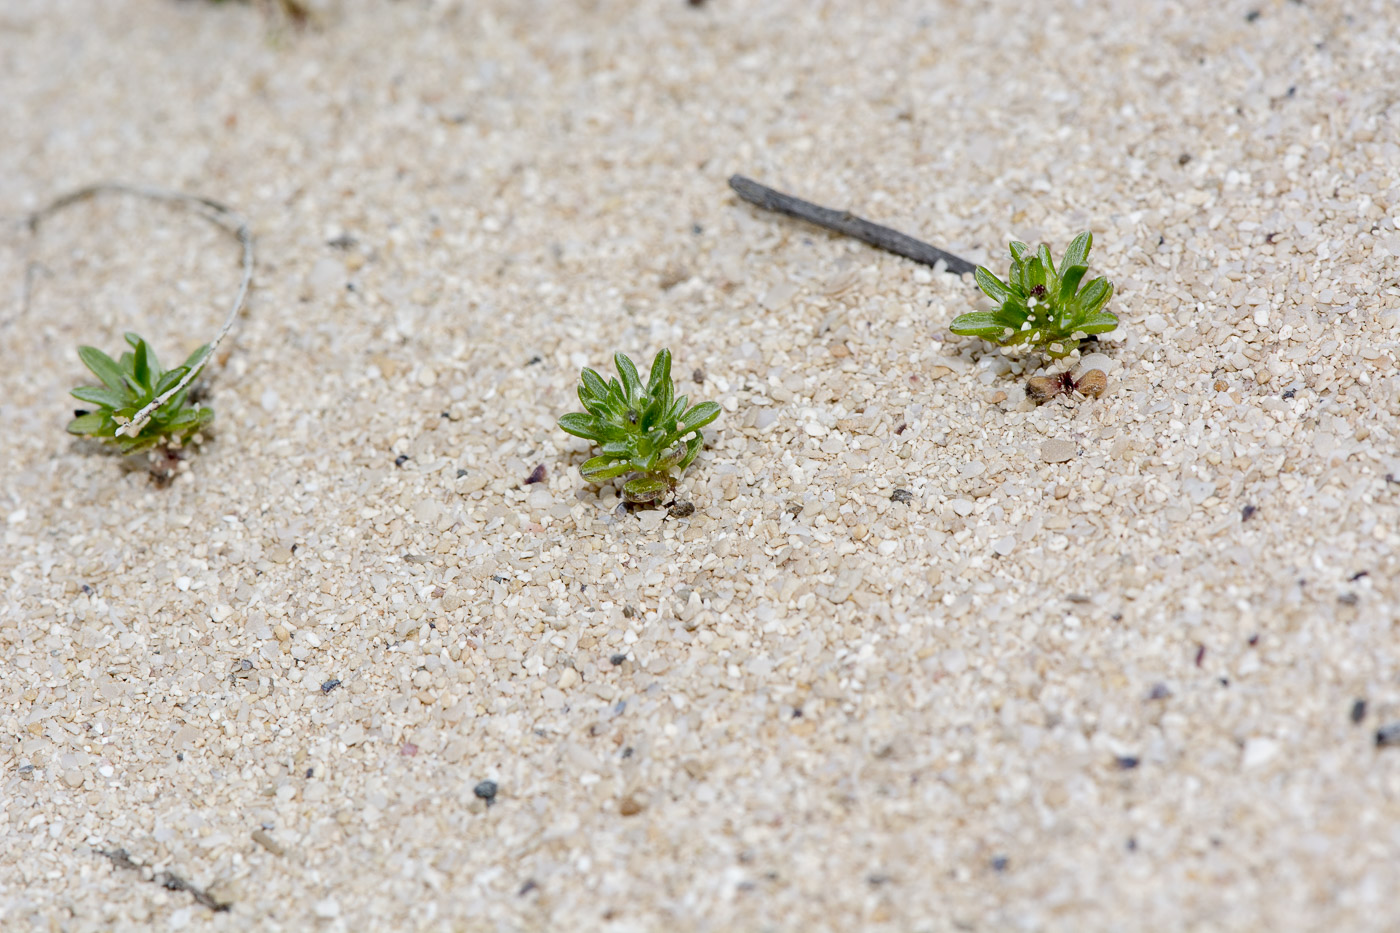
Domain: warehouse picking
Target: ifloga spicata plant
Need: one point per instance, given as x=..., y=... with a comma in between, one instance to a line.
x=646, y=431
x=129, y=385
x=1040, y=306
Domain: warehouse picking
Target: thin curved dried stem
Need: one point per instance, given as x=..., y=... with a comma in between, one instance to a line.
x=215, y=212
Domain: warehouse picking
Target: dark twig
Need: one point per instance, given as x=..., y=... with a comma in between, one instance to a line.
x=166, y=879
x=844, y=222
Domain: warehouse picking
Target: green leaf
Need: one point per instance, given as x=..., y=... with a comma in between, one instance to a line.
x=1094, y=296
x=600, y=469
x=1069, y=282
x=645, y=489
x=617, y=398
x=591, y=386
x=660, y=373
x=581, y=425
x=176, y=401
x=993, y=287
x=698, y=417
x=103, y=367
x=196, y=360
x=1078, y=252
x=1100, y=323
x=978, y=324
x=631, y=382
x=1048, y=264
x=1034, y=276
x=92, y=424
x=1020, y=252
x=692, y=449
x=169, y=379
x=100, y=395
x=141, y=364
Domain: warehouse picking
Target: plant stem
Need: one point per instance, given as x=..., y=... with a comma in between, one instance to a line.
x=846, y=223
x=211, y=210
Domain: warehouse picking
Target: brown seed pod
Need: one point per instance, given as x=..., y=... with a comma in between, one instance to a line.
x=1041, y=389
x=1092, y=384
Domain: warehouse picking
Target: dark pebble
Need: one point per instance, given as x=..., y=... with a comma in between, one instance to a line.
x=1388, y=736
x=901, y=495
x=330, y=685
x=1358, y=711
x=536, y=475
x=999, y=863
x=1126, y=762
x=400, y=460
x=617, y=659
x=486, y=790
x=1247, y=513
x=682, y=510
x=1158, y=692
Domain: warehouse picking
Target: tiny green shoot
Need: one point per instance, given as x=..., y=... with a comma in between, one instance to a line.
x=645, y=431
x=1040, y=306
x=129, y=385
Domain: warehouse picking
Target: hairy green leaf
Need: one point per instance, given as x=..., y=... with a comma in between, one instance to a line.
x=993, y=287
x=631, y=382
x=101, y=395
x=1078, y=252
x=580, y=425
x=603, y=468
x=103, y=367
x=1094, y=296
x=645, y=489
x=92, y=424
x=698, y=417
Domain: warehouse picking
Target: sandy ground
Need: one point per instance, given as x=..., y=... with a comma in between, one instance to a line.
x=1137, y=688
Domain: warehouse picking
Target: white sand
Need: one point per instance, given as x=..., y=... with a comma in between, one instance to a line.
x=836, y=712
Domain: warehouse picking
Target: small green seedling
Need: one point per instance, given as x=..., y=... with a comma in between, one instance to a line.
x=129, y=385
x=1039, y=306
x=646, y=431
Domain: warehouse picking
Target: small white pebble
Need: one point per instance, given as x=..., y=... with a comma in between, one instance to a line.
x=1257, y=752
x=327, y=909
x=1057, y=450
